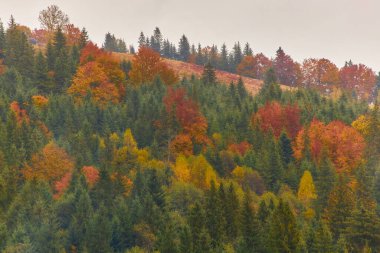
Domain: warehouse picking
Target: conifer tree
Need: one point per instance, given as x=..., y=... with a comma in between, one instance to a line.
x=208, y=75
x=184, y=48
x=284, y=233
x=250, y=227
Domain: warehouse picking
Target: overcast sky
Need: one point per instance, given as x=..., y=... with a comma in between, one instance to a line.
x=335, y=29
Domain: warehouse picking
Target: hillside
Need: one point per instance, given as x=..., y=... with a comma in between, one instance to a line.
x=187, y=69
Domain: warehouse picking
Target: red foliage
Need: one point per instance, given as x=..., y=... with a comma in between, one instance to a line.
x=91, y=174
x=90, y=53
x=239, y=148
x=318, y=72
x=20, y=113
x=274, y=117
x=192, y=122
x=61, y=185
x=287, y=71
x=359, y=78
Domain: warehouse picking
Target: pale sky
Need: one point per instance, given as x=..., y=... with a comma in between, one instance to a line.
x=335, y=29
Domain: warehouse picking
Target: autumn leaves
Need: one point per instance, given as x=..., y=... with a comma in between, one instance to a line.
x=100, y=75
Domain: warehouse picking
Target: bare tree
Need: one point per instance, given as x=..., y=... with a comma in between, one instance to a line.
x=53, y=18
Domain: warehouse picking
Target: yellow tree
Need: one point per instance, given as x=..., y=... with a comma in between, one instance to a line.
x=307, y=193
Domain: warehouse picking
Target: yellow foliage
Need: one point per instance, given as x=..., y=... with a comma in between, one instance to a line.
x=362, y=124
x=129, y=140
x=195, y=170
x=306, y=190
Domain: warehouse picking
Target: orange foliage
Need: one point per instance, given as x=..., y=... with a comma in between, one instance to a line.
x=344, y=144
x=90, y=53
x=92, y=79
x=239, y=148
x=254, y=66
x=52, y=164
x=319, y=72
x=40, y=101
x=91, y=174
x=274, y=117
x=73, y=34
x=2, y=66
x=181, y=144
x=99, y=75
x=147, y=64
x=20, y=113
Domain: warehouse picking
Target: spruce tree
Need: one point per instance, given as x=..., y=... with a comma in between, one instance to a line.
x=284, y=233
x=184, y=48
x=250, y=227
x=208, y=75
x=2, y=40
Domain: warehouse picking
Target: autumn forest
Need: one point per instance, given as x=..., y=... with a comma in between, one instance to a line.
x=175, y=147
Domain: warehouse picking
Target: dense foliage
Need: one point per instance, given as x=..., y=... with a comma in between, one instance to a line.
x=102, y=155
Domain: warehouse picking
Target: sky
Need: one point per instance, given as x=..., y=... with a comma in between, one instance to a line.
x=338, y=30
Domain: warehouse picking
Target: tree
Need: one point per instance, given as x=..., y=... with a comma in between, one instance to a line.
x=358, y=78
x=286, y=69
x=146, y=65
x=339, y=207
x=156, y=43
x=53, y=18
x=184, y=48
x=49, y=165
x=270, y=89
x=276, y=118
x=319, y=72
x=284, y=234
x=250, y=227
x=306, y=193
x=208, y=75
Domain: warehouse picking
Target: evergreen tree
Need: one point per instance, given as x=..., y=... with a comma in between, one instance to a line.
x=184, y=48
x=286, y=149
x=223, y=64
x=215, y=221
x=142, y=41
x=322, y=241
x=83, y=38
x=157, y=40
x=247, y=50
x=270, y=90
x=208, y=75
x=284, y=233
x=2, y=40
x=250, y=227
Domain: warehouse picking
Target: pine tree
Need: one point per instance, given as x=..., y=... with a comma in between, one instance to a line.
x=215, y=221
x=250, y=227
x=83, y=38
x=223, y=64
x=157, y=40
x=184, y=48
x=325, y=181
x=99, y=232
x=286, y=149
x=231, y=212
x=270, y=90
x=2, y=40
x=284, y=233
x=322, y=241
x=142, y=41
x=208, y=75
x=41, y=79
x=339, y=207
x=247, y=50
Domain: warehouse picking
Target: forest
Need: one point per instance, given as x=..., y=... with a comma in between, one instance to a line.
x=99, y=154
